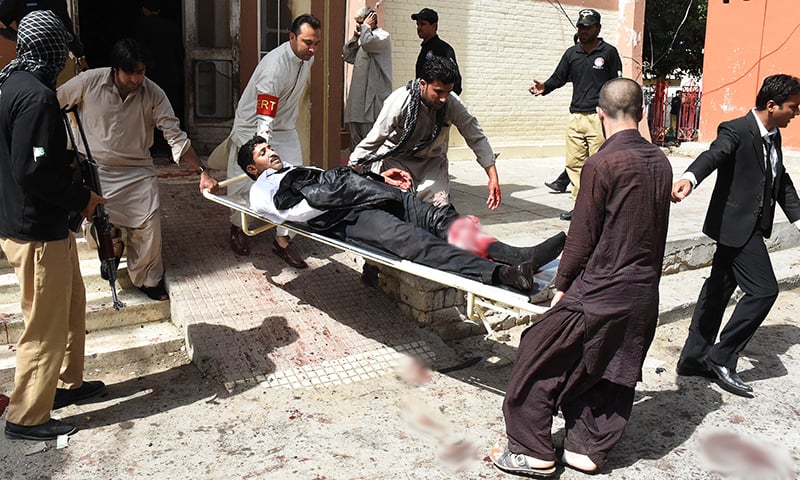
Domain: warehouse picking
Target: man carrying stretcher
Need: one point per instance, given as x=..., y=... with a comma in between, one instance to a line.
x=374, y=211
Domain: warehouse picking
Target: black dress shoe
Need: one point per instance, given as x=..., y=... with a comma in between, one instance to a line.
x=560, y=184
x=369, y=275
x=548, y=250
x=519, y=276
x=690, y=368
x=729, y=379
x=157, y=293
x=87, y=390
x=49, y=430
x=240, y=244
x=289, y=255
x=566, y=215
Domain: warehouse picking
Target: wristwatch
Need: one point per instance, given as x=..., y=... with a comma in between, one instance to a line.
x=201, y=169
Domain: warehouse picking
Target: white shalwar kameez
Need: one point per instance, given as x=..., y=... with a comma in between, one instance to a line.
x=268, y=107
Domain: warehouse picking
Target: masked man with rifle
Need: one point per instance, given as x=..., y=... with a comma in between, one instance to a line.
x=37, y=195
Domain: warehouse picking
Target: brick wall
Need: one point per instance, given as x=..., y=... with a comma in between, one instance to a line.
x=500, y=47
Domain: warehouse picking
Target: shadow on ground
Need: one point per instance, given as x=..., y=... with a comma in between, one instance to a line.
x=145, y=396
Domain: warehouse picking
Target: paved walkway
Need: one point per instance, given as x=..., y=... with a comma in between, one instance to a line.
x=254, y=319
x=172, y=423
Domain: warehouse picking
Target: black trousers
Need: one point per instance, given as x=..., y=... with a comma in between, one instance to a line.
x=415, y=231
x=750, y=268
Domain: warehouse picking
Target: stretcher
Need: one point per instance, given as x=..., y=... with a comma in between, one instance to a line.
x=482, y=299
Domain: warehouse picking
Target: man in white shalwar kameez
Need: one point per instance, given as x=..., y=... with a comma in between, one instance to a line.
x=369, y=50
x=119, y=108
x=268, y=107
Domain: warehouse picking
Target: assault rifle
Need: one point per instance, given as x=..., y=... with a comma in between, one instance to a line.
x=87, y=168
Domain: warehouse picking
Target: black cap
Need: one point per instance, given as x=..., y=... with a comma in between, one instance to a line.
x=427, y=15
x=588, y=17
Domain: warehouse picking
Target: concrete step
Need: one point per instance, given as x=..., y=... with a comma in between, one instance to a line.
x=696, y=250
x=99, y=314
x=90, y=268
x=679, y=291
x=113, y=347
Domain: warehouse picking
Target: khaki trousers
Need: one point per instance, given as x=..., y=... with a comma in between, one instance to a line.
x=51, y=349
x=584, y=138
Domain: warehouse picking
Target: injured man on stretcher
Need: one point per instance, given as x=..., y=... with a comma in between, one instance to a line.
x=374, y=211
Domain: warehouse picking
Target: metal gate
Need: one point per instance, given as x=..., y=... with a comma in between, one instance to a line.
x=664, y=129
x=689, y=117
x=657, y=111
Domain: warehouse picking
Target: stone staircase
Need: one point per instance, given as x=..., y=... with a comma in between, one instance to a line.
x=140, y=332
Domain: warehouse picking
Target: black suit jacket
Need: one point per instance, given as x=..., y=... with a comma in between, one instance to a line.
x=738, y=198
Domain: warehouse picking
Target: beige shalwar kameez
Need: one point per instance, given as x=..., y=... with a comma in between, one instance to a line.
x=120, y=134
x=428, y=167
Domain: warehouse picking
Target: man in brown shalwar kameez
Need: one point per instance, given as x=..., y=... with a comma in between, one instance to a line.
x=585, y=355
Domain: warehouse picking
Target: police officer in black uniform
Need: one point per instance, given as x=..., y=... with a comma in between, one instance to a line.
x=427, y=25
x=588, y=65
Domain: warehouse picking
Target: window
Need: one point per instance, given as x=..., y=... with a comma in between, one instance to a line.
x=276, y=21
x=214, y=89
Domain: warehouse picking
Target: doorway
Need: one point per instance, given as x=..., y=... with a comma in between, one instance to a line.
x=102, y=23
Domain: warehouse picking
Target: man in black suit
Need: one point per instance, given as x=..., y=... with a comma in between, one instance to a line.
x=751, y=178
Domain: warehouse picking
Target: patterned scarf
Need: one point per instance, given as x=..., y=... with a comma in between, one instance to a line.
x=412, y=114
x=41, y=46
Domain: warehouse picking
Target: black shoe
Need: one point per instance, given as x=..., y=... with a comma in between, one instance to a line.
x=519, y=276
x=566, y=216
x=539, y=254
x=49, y=430
x=690, y=368
x=87, y=390
x=548, y=250
x=158, y=293
x=240, y=244
x=729, y=379
x=369, y=275
x=560, y=184
x=289, y=255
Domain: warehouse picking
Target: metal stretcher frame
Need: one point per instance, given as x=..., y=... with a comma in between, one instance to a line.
x=481, y=298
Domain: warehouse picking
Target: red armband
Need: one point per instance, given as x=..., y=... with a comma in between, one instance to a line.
x=266, y=105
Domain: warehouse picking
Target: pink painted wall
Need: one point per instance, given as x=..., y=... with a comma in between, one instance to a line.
x=747, y=40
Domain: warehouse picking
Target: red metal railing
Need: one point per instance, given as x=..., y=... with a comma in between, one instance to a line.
x=689, y=118
x=662, y=127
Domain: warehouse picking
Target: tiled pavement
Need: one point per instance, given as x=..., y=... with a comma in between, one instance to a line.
x=254, y=319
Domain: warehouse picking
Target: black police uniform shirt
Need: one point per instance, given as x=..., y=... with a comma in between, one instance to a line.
x=435, y=46
x=588, y=72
